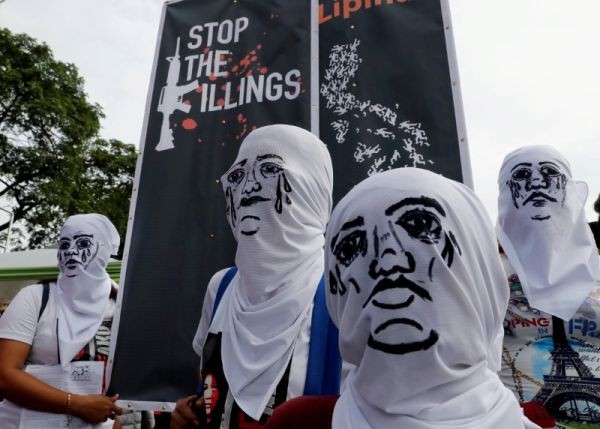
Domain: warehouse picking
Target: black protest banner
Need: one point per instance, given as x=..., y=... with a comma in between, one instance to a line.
x=388, y=89
x=222, y=68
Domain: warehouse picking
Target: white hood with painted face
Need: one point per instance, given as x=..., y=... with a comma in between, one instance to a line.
x=416, y=288
x=543, y=230
x=85, y=244
x=278, y=196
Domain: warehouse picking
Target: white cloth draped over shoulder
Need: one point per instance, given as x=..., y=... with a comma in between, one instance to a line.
x=278, y=195
x=543, y=229
x=85, y=245
x=416, y=288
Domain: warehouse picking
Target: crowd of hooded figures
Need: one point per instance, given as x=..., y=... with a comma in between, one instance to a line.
x=395, y=309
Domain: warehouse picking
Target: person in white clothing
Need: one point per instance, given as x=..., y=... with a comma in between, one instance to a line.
x=254, y=348
x=552, y=332
x=416, y=288
x=57, y=324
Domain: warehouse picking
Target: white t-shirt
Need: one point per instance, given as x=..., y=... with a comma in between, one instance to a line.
x=20, y=323
x=299, y=361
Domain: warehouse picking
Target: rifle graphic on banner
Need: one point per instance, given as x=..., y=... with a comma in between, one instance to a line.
x=171, y=96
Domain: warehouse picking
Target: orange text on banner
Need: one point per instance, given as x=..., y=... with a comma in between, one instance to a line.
x=345, y=8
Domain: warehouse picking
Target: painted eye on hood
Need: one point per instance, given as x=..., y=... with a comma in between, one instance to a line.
x=422, y=225
x=270, y=169
x=84, y=243
x=521, y=174
x=64, y=245
x=549, y=170
x=349, y=247
x=236, y=176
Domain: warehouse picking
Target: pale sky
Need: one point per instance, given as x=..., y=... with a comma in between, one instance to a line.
x=529, y=72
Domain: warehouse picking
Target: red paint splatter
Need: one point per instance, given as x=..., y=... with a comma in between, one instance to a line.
x=249, y=73
x=234, y=68
x=254, y=58
x=220, y=102
x=253, y=52
x=240, y=117
x=212, y=77
x=245, y=61
x=199, y=89
x=253, y=127
x=259, y=46
x=189, y=124
x=206, y=50
x=263, y=70
x=188, y=102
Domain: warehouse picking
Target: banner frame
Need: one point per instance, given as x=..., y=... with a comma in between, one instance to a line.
x=137, y=405
x=459, y=114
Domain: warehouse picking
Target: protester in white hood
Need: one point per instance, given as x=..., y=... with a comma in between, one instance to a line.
x=52, y=324
x=416, y=288
x=255, y=347
x=552, y=325
x=543, y=229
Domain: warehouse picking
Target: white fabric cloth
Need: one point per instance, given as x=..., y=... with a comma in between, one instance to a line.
x=20, y=323
x=543, y=230
x=85, y=244
x=278, y=194
x=297, y=375
x=416, y=288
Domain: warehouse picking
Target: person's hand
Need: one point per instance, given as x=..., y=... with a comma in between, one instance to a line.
x=95, y=408
x=184, y=417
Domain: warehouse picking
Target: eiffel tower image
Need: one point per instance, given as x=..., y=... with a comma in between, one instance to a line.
x=570, y=392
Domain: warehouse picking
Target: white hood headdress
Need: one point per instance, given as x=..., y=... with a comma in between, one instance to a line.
x=86, y=243
x=278, y=196
x=543, y=229
x=416, y=288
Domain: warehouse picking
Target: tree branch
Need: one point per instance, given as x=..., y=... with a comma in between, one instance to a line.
x=8, y=188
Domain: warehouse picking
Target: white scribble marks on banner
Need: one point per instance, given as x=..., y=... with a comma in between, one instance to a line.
x=396, y=142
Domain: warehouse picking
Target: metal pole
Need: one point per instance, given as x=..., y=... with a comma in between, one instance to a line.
x=10, y=223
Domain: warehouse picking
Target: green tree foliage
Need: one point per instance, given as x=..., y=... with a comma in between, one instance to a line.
x=52, y=164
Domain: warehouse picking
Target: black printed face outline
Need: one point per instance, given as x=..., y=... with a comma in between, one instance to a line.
x=246, y=189
x=76, y=250
x=409, y=224
x=537, y=186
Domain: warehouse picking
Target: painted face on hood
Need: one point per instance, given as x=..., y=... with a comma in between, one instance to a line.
x=254, y=185
x=76, y=250
x=539, y=185
x=388, y=257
